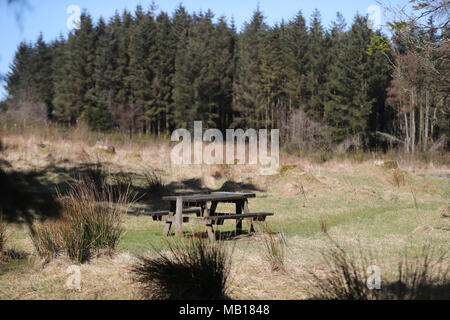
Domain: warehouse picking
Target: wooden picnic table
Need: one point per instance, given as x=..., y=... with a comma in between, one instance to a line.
x=207, y=214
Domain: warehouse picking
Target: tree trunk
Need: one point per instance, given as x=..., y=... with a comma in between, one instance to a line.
x=421, y=130
x=406, y=134
x=427, y=119
x=413, y=131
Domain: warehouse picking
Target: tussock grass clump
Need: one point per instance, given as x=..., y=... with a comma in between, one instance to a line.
x=47, y=239
x=154, y=184
x=189, y=269
x=275, y=248
x=90, y=221
x=93, y=174
x=323, y=222
x=398, y=177
x=345, y=278
x=122, y=184
x=424, y=277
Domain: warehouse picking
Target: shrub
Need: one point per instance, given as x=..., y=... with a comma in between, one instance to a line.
x=421, y=278
x=190, y=269
x=90, y=221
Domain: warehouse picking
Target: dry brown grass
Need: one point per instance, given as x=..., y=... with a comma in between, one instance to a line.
x=103, y=277
x=357, y=198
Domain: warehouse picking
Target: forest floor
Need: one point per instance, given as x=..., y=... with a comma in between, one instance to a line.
x=362, y=206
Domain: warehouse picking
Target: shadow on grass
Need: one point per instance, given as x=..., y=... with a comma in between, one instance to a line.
x=30, y=195
x=13, y=260
x=222, y=235
x=26, y=196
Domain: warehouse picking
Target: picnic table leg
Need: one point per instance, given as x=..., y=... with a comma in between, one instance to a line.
x=212, y=208
x=167, y=228
x=179, y=217
x=239, y=206
x=210, y=231
x=249, y=221
x=168, y=224
x=206, y=213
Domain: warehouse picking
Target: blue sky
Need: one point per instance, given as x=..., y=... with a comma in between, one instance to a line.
x=50, y=16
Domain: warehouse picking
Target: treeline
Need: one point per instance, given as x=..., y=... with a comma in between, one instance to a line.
x=151, y=73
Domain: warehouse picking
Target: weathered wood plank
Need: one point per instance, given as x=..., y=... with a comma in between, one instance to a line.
x=161, y=212
x=242, y=216
x=211, y=197
x=179, y=217
x=188, y=219
x=239, y=207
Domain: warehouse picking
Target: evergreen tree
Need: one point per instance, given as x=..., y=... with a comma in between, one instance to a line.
x=272, y=75
x=19, y=78
x=142, y=53
x=223, y=69
x=183, y=78
x=350, y=85
x=77, y=92
x=249, y=97
x=163, y=63
x=295, y=49
x=316, y=69
x=42, y=74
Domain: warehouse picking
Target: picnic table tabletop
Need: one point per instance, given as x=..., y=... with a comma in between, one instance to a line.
x=215, y=196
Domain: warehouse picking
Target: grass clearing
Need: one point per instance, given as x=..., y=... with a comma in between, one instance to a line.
x=353, y=200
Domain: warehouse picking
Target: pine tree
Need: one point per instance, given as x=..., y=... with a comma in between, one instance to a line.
x=163, y=63
x=141, y=53
x=295, y=50
x=351, y=82
x=223, y=69
x=316, y=69
x=19, y=78
x=183, y=78
x=42, y=75
x=272, y=75
x=77, y=92
x=249, y=96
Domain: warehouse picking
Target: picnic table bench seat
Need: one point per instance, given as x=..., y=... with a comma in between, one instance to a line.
x=255, y=216
x=157, y=215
